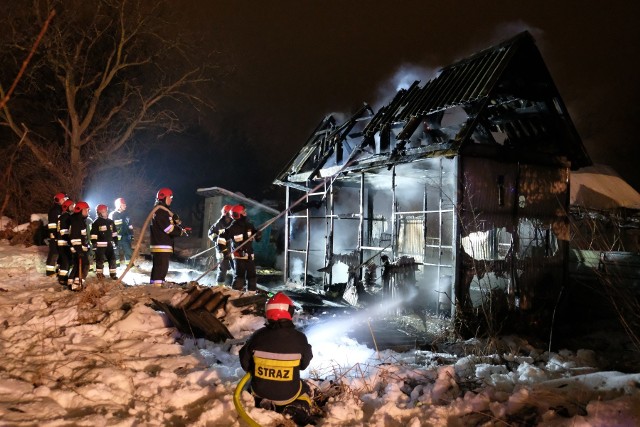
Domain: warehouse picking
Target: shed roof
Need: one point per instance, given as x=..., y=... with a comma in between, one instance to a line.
x=600, y=187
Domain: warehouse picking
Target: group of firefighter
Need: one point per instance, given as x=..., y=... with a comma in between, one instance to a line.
x=75, y=238
x=273, y=356
x=233, y=234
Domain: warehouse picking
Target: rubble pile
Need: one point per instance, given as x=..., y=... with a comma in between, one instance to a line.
x=201, y=313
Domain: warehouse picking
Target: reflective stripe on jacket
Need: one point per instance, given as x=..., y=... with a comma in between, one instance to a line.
x=275, y=355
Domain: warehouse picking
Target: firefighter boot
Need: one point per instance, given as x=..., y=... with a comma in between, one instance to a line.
x=100, y=275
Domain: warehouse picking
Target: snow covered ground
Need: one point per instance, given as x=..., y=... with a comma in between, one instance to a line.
x=104, y=357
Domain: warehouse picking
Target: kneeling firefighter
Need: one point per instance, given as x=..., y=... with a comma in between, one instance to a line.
x=274, y=355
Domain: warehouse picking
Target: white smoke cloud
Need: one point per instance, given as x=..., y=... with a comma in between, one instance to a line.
x=402, y=78
x=297, y=269
x=510, y=29
x=502, y=32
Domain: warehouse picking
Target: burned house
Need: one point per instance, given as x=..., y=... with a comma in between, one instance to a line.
x=454, y=194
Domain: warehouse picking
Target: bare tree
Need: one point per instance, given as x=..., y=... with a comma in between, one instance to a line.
x=106, y=72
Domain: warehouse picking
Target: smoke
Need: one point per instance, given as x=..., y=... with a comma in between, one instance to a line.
x=402, y=78
x=510, y=29
x=297, y=269
x=501, y=33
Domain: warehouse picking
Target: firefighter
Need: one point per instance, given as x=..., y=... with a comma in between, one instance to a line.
x=224, y=256
x=240, y=235
x=163, y=231
x=386, y=275
x=125, y=231
x=275, y=355
x=104, y=238
x=64, y=247
x=91, y=254
x=79, y=245
x=52, y=226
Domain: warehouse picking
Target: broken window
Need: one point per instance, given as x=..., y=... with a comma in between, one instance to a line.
x=487, y=245
x=536, y=239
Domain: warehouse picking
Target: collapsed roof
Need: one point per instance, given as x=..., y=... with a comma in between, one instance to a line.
x=502, y=99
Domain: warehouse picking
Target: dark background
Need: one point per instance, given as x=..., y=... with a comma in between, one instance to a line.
x=296, y=61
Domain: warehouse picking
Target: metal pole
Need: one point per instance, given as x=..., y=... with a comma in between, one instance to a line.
x=287, y=224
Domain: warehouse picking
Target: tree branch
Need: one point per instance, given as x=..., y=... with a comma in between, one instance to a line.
x=7, y=96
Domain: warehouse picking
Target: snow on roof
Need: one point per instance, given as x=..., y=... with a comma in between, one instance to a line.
x=600, y=187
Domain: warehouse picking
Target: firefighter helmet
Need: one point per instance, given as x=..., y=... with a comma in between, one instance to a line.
x=226, y=209
x=279, y=307
x=163, y=193
x=59, y=198
x=237, y=211
x=101, y=208
x=119, y=202
x=80, y=206
x=67, y=205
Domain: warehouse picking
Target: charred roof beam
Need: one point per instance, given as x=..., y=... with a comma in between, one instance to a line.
x=338, y=136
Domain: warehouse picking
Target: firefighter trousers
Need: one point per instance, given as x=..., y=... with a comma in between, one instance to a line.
x=64, y=261
x=160, y=267
x=106, y=254
x=225, y=265
x=245, y=274
x=52, y=257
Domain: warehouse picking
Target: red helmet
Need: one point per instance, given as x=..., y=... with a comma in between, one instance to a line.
x=101, y=208
x=80, y=206
x=237, y=211
x=226, y=209
x=279, y=307
x=163, y=193
x=66, y=205
x=119, y=202
x=59, y=198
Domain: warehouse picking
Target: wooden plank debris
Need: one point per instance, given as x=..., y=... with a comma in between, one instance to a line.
x=196, y=314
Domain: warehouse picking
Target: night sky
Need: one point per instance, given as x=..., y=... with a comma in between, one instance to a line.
x=296, y=61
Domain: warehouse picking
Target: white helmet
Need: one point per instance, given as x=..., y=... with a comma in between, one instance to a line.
x=119, y=202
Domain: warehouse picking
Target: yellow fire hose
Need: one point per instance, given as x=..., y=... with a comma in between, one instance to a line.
x=237, y=403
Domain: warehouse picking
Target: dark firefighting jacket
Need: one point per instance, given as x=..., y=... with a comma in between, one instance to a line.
x=78, y=233
x=275, y=355
x=123, y=225
x=237, y=234
x=163, y=230
x=214, y=235
x=103, y=232
x=52, y=219
x=64, y=222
